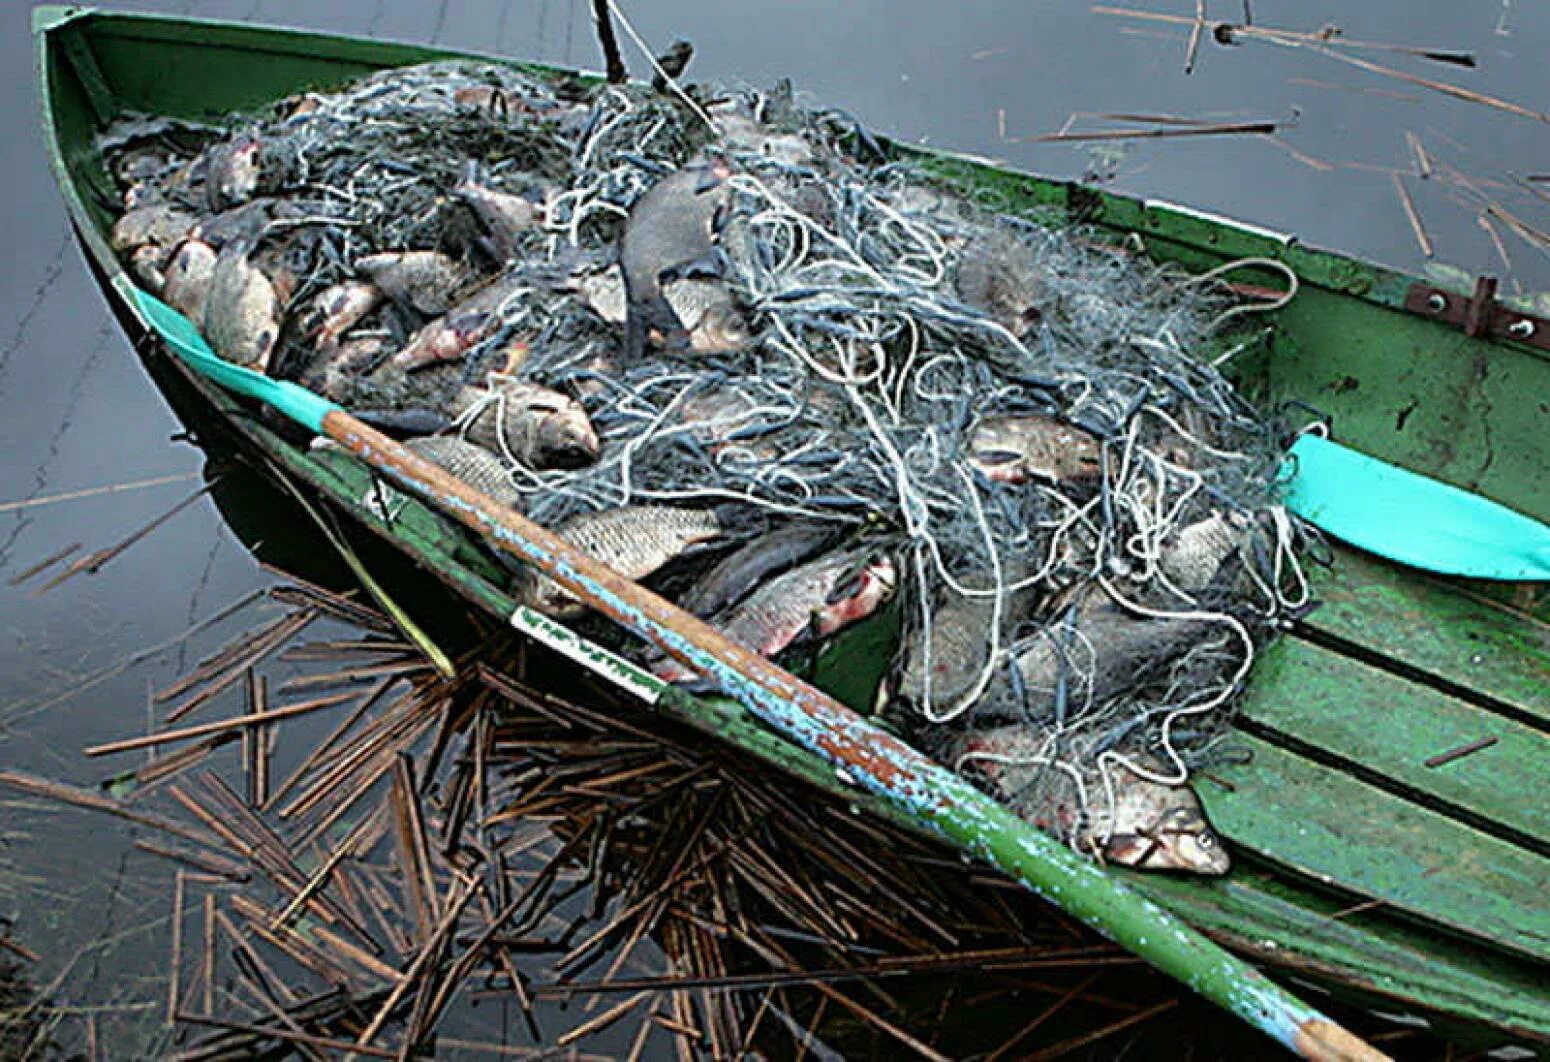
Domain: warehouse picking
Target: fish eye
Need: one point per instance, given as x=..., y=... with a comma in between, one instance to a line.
x=1205, y=839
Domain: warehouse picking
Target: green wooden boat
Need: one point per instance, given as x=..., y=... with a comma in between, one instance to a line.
x=1370, y=861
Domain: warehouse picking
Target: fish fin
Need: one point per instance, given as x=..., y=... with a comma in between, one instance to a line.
x=1130, y=849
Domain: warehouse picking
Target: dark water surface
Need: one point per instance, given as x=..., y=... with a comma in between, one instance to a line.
x=77, y=411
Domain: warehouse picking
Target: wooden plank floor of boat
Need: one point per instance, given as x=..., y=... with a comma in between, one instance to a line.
x=1349, y=786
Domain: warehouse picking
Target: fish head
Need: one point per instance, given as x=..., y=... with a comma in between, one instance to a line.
x=721, y=330
x=143, y=194
x=194, y=260
x=998, y=450
x=857, y=597
x=146, y=262
x=561, y=431
x=1179, y=839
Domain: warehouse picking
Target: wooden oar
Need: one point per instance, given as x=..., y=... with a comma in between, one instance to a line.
x=875, y=759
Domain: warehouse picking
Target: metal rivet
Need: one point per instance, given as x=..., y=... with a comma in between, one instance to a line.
x=1436, y=302
x=1521, y=329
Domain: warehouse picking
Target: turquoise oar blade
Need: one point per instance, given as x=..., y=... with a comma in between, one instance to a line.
x=183, y=337
x=1411, y=518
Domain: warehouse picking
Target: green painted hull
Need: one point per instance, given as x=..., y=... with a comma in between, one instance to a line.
x=1360, y=867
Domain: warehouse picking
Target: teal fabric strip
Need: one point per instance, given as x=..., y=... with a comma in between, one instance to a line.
x=1411, y=518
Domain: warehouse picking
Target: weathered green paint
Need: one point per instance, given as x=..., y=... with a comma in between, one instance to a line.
x=1343, y=325
x=1390, y=726
x=1428, y=625
x=1335, y=829
x=1420, y=395
x=1322, y=937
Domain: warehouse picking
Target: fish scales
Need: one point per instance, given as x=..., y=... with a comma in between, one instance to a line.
x=1192, y=557
x=634, y=541
x=955, y=655
x=1105, y=651
x=241, y=310
x=765, y=557
x=540, y=427
x=474, y=465
x=1016, y=449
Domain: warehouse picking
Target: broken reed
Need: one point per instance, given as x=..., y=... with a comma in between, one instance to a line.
x=474, y=835
x=607, y=874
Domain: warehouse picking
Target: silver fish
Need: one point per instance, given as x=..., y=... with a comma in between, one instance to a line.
x=143, y=194
x=337, y=309
x=1102, y=650
x=160, y=225
x=956, y=653
x=814, y=600
x=241, y=310
x=1194, y=554
x=335, y=373
x=188, y=279
x=634, y=541
x=996, y=274
x=504, y=217
x=1153, y=826
x=741, y=133
x=474, y=465
x=233, y=172
x=427, y=281
x=705, y=309
x=670, y=228
x=146, y=263
x=539, y=427
x=758, y=560
x=245, y=223
x=1016, y=449
x=463, y=327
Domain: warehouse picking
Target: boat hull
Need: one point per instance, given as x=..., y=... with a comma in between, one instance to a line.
x=1339, y=825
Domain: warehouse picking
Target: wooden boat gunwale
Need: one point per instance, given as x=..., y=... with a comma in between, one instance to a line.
x=1436, y=976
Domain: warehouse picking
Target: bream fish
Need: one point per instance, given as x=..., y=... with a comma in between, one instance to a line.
x=188, y=278
x=502, y=217
x=463, y=327
x=671, y=230
x=996, y=274
x=159, y=225
x=539, y=427
x=241, y=310
x=1195, y=553
x=1098, y=649
x=814, y=600
x=705, y=309
x=634, y=541
x=1019, y=448
x=756, y=561
x=337, y=309
x=953, y=658
x=1153, y=825
x=426, y=281
x=233, y=172
x=474, y=465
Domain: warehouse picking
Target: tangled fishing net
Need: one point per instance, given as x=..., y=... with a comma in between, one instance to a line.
x=1027, y=418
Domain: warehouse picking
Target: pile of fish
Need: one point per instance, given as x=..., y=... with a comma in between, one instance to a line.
x=733, y=348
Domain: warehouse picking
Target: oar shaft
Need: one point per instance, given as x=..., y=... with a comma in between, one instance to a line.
x=875, y=759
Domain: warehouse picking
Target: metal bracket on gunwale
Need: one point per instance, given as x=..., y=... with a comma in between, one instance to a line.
x=1480, y=315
